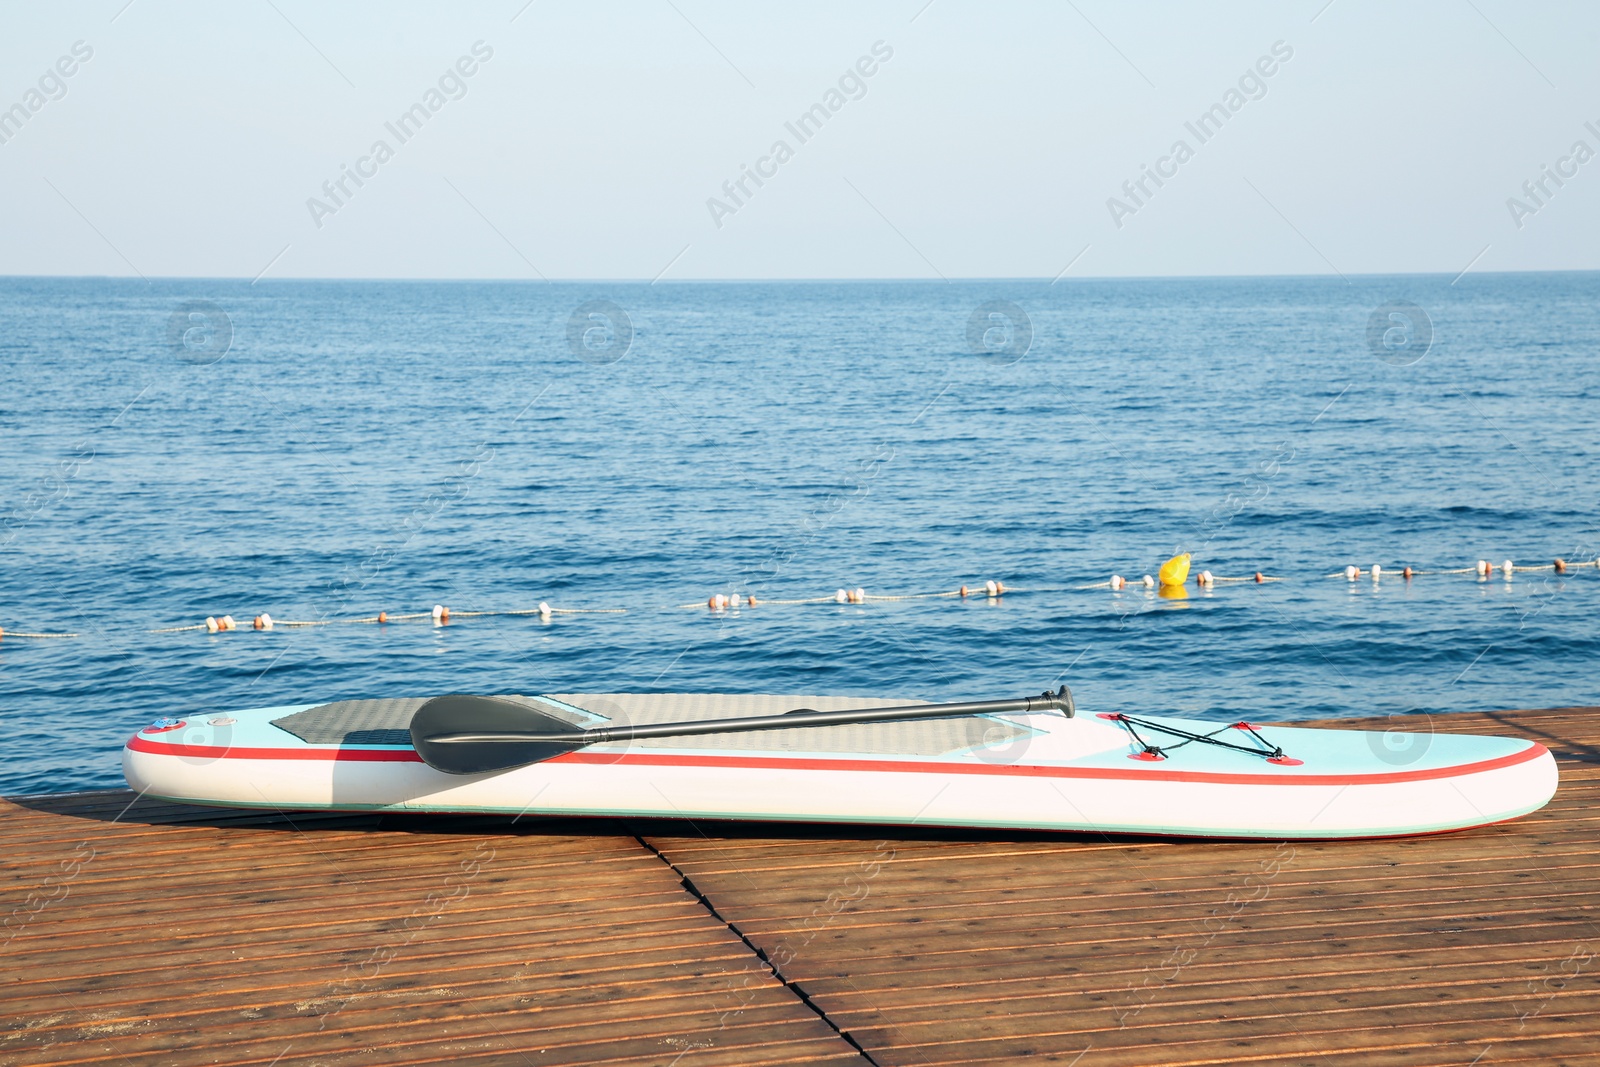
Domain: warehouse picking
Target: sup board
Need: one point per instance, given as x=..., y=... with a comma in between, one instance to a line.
x=1035, y=771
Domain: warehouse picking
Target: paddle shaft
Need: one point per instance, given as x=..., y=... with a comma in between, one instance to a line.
x=801, y=717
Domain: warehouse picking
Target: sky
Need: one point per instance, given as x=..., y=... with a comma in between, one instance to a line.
x=951, y=139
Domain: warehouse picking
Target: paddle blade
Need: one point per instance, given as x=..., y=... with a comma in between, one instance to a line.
x=460, y=713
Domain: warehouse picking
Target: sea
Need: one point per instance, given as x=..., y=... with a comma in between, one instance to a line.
x=321, y=451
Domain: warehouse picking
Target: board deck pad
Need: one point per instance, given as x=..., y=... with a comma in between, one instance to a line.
x=386, y=722
x=377, y=722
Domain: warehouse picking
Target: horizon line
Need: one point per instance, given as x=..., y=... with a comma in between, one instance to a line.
x=1018, y=278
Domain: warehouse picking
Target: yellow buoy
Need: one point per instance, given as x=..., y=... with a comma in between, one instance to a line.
x=1175, y=571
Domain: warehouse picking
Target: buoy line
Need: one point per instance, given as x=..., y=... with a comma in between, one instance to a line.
x=1483, y=569
x=1173, y=577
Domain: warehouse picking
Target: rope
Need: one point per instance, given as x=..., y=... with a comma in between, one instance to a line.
x=722, y=602
x=1267, y=751
x=735, y=602
x=1401, y=572
x=925, y=596
x=1203, y=579
x=731, y=602
x=525, y=611
x=1483, y=569
x=224, y=623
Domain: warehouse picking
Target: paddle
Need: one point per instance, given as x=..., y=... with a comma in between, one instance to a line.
x=462, y=734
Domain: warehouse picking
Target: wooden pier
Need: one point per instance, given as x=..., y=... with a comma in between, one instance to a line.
x=143, y=933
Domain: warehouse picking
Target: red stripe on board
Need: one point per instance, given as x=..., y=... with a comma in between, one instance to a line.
x=348, y=755
x=794, y=763
x=921, y=767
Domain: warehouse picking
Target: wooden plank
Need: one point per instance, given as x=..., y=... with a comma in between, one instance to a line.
x=163, y=934
x=929, y=948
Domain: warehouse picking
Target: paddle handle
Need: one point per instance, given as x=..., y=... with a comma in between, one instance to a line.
x=1060, y=701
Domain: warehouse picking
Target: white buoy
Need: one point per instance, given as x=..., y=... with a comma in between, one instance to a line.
x=1352, y=572
x=1506, y=568
x=841, y=597
x=1206, y=579
x=1148, y=582
x=991, y=587
x=1377, y=572
x=861, y=595
x=211, y=624
x=1483, y=568
x=438, y=612
x=544, y=610
x=266, y=621
x=1117, y=582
